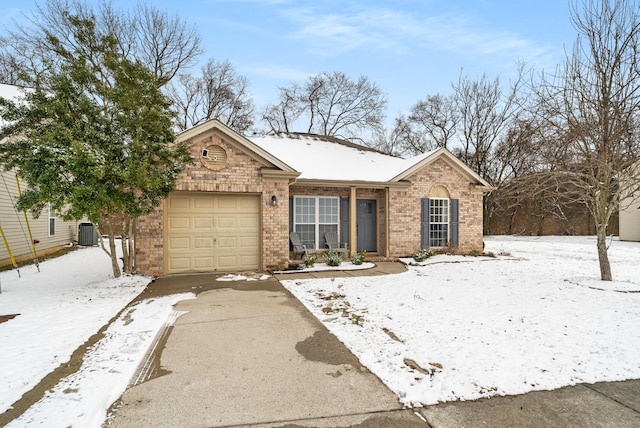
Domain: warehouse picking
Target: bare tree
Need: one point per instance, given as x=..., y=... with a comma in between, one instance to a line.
x=218, y=93
x=332, y=104
x=432, y=123
x=163, y=43
x=389, y=142
x=485, y=114
x=517, y=160
x=593, y=104
x=282, y=116
x=8, y=68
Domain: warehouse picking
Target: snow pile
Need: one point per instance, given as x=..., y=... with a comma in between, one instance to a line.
x=82, y=399
x=59, y=308
x=56, y=311
x=320, y=267
x=462, y=328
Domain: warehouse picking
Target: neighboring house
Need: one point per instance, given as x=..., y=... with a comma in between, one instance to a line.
x=234, y=207
x=50, y=232
x=629, y=220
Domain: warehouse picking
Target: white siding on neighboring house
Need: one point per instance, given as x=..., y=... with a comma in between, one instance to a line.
x=13, y=222
x=16, y=231
x=630, y=219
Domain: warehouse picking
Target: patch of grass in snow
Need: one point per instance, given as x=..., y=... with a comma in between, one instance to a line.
x=41, y=257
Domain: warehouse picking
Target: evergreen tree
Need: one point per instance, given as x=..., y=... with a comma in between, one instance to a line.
x=93, y=137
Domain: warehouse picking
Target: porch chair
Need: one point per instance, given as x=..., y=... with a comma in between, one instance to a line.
x=335, y=245
x=298, y=247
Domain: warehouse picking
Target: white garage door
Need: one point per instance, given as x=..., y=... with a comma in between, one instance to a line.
x=208, y=232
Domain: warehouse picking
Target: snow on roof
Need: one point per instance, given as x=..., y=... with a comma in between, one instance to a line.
x=10, y=92
x=326, y=158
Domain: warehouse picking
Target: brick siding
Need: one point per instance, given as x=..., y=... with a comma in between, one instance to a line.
x=242, y=175
x=405, y=208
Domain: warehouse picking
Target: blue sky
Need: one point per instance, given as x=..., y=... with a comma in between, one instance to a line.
x=409, y=48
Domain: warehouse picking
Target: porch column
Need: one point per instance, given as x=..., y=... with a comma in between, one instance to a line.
x=353, y=224
x=387, y=222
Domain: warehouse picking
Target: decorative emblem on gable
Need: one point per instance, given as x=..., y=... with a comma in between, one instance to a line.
x=213, y=158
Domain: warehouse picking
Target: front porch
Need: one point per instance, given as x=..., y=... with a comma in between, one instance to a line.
x=357, y=214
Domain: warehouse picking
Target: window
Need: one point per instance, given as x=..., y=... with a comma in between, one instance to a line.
x=313, y=216
x=52, y=221
x=438, y=222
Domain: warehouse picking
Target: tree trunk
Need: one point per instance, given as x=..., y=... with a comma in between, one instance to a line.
x=603, y=257
x=125, y=254
x=112, y=244
x=114, y=254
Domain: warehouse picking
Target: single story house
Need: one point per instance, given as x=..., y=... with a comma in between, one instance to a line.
x=50, y=232
x=233, y=209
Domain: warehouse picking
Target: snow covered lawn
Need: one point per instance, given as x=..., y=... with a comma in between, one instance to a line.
x=462, y=328
x=455, y=328
x=57, y=310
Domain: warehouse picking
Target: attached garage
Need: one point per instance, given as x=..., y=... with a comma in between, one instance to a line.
x=231, y=209
x=208, y=231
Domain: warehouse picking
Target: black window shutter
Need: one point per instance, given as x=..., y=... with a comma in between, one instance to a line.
x=344, y=220
x=291, y=210
x=453, y=239
x=424, y=223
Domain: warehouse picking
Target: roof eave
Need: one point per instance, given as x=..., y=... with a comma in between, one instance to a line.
x=353, y=183
x=278, y=174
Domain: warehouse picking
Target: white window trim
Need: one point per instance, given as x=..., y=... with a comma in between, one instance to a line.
x=318, y=238
x=447, y=222
x=52, y=216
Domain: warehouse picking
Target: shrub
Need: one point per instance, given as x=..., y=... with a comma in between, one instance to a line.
x=332, y=258
x=422, y=255
x=279, y=267
x=358, y=259
x=310, y=259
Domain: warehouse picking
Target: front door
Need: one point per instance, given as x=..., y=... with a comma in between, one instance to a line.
x=367, y=225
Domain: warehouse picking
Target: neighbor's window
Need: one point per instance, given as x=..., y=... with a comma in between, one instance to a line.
x=313, y=216
x=52, y=221
x=438, y=222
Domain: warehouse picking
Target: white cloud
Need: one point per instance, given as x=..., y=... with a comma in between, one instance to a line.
x=401, y=32
x=276, y=72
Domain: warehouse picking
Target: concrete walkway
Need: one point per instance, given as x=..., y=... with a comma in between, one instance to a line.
x=248, y=353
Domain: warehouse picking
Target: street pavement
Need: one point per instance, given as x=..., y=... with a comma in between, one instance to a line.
x=248, y=354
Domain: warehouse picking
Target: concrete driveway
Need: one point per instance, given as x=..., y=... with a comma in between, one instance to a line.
x=248, y=353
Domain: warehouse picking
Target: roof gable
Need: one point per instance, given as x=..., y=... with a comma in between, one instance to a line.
x=422, y=161
x=237, y=140
x=329, y=159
